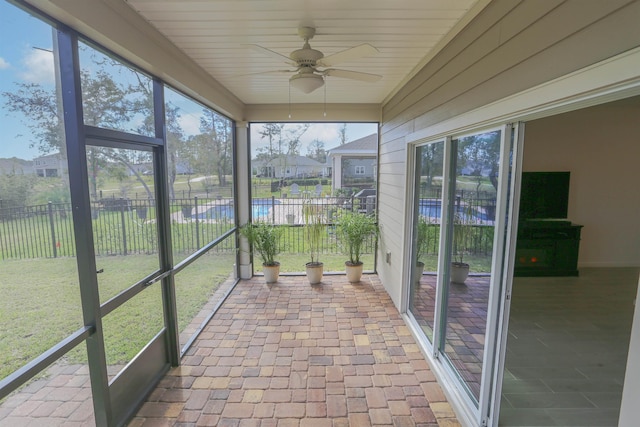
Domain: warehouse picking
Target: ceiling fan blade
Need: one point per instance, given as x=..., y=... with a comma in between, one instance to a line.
x=273, y=54
x=356, y=52
x=353, y=75
x=269, y=72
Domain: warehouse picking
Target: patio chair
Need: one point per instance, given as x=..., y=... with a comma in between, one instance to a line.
x=295, y=190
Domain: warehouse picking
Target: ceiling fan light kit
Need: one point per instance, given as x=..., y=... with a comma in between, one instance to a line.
x=307, y=82
x=308, y=77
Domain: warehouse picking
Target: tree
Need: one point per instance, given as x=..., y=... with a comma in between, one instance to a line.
x=342, y=132
x=431, y=164
x=292, y=139
x=481, y=154
x=317, y=151
x=106, y=103
x=284, y=141
x=212, y=148
x=39, y=105
x=15, y=190
x=273, y=133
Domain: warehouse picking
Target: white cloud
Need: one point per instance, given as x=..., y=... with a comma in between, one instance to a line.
x=190, y=124
x=3, y=64
x=38, y=67
x=325, y=132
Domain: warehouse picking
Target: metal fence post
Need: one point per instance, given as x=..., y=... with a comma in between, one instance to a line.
x=273, y=209
x=53, y=229
x=195, y=203
x=124, y=227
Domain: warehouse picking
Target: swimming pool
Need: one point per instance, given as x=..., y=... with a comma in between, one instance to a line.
x=432, y=209
x=259, y=209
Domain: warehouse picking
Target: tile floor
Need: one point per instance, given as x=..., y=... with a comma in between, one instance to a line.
x=567, y=349
x=295, y=355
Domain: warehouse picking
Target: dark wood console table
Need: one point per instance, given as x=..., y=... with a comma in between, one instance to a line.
x=547, y=248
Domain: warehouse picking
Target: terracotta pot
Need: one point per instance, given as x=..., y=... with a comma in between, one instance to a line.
x=271, y=272
x=459, y=272
x=354, y=271
x=314, y=272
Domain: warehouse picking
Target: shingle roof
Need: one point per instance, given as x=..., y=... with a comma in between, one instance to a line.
x=367, y=144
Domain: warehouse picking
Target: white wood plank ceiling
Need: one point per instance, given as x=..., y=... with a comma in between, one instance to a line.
x=218, y=35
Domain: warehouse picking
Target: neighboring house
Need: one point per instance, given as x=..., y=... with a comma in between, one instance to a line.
x=182, y=168
x=289, y=167
x=52, y=165
x=354, y=164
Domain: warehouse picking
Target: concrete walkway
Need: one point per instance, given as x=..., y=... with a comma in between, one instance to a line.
x=293, y=355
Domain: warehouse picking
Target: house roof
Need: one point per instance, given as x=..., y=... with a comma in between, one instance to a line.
x=54, y=156
x=365, y=145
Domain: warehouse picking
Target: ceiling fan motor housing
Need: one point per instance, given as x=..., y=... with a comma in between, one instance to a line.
x=306, y=57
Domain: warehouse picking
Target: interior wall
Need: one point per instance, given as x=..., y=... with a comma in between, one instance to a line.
x=599, y=146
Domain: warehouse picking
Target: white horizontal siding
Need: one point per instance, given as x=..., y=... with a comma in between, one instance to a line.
x=508, y=48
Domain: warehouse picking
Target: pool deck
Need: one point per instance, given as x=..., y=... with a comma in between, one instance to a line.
x=285, y=211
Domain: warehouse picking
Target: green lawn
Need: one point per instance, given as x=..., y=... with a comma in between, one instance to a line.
x=40, y=304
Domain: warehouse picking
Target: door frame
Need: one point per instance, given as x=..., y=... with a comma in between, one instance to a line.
x=502, y=257
x=114, y=401
x=139, y=376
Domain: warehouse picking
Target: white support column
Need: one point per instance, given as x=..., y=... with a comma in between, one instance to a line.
x=337, y=172
x=243, y=160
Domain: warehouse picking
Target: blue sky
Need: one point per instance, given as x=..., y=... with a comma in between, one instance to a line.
x=25, y=57
x=20, y=62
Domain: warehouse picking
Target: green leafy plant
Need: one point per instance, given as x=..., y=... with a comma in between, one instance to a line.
x=353, y=229
x=422, y=237
x=264, y=239
x=462, y=234
x=313, y=229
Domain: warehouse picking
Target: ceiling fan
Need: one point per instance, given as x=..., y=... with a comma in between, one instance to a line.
x=312, y=66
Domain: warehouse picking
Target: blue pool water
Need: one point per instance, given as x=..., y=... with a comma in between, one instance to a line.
x=259, y=209
x=431, y=208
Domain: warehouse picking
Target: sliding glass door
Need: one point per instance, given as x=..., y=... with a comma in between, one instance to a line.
x=460, y=213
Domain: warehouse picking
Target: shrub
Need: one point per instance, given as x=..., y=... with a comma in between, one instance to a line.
x=353, y=229
x=264, y=239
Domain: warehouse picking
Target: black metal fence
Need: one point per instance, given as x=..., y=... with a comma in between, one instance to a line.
x=120, y=227
x=128, y=226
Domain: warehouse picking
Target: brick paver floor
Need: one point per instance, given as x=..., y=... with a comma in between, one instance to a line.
x=295, y=355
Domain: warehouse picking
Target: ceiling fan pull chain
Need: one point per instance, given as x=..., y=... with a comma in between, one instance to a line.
x=325, y=97
x=289, y=99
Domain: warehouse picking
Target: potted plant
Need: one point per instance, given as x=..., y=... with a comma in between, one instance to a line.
x=265, y=241
x=313, y=229
x=353, y=229
x=422, y=244
x=461, y=236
